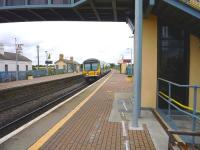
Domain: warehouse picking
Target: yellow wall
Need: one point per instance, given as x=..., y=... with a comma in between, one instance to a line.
x=194, y=67
x=123, y=68
x=60, y=64
x=149, y=62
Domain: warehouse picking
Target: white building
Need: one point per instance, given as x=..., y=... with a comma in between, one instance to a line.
x=8, y=61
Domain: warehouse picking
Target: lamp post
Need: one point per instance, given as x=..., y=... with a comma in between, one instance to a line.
x=38, y=57
x=18, y=48
x=131, y=50
x=16, y=59
x=46, y=62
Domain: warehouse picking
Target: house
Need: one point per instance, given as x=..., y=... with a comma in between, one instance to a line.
x=8, y=61
x=68, y=65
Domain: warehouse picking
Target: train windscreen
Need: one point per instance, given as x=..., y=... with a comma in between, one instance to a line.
x=87, y=67
x=94, y=66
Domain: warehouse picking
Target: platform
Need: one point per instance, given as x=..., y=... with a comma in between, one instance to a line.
x=96, y=119
x=20, y=83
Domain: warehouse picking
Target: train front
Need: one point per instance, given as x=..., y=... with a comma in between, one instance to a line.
x=91, y=69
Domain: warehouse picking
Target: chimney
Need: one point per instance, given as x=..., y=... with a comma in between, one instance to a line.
x=61, y=57
x=71, y=58
x=1, y=49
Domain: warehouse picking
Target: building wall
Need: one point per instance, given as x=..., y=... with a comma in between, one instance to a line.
x=194, y=67
x=149, y=62
x=60, y=64
x=12, y=65
x=123, y=68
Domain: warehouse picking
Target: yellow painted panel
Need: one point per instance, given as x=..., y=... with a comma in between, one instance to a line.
x=123, y=68
x=194, y=67
x=60, y=64
x=149, y=62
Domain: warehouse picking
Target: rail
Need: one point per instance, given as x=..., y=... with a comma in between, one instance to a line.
x=190, y=111
x=192, y=3
x=26, y=117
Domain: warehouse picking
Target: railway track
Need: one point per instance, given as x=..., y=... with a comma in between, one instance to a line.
x=17, y=96
x=16, y=115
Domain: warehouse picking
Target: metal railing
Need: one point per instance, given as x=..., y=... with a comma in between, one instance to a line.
x=192, y=3
x=190, y=111
x=11, y=75
x=11, y=3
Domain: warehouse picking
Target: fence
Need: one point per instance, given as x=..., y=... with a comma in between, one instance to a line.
x=22, y=75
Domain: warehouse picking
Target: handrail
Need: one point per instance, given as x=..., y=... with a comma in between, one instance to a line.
x=179, y=85
x=179, y=104
x=183, y=111
x=168, y=98
x=192, y=3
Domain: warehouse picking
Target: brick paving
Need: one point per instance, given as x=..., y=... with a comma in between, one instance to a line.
x=89, y=128
x=19, y=83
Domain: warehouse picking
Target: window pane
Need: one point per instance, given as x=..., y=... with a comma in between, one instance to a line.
x=6, y=68
x=38, y=2
x=15, y=2
x=87, y=67
x=1, y=2
x=94, y=66
x=17, y=67
x=61, y=1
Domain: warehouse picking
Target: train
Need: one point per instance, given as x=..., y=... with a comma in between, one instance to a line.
x=93, y=69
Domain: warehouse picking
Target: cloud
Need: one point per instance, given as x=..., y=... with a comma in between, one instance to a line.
x=105, y=41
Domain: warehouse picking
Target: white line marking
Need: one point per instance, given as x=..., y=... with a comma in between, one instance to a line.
x=124, y=129
x=126, y=143
x=15, y=132
x=124, y=106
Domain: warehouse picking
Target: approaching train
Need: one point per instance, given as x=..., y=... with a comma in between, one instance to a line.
x=93, y=69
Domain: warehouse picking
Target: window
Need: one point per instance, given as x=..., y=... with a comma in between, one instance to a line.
x=94, y=66
x=1, y=2
x=87, y=67
x=38, y=2
x=56, y=66
x=17, y=67
x=15, y=2
x=6, y=68
x=26, y=67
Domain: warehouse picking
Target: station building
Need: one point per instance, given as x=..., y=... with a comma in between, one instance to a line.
x=67, y=65
x=8, y=62
x=171, y=51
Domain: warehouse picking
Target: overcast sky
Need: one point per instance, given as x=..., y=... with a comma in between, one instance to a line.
x=105, y=41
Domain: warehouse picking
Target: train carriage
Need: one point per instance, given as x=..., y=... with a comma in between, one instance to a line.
x=93, y=69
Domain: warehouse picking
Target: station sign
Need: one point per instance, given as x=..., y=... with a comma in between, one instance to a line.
x=126, y=60
x=48, y=62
